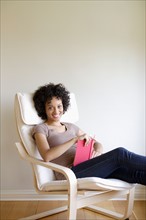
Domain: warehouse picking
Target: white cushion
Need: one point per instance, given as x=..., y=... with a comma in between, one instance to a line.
x=28, y=111
x=88, y=183
x=30, y=116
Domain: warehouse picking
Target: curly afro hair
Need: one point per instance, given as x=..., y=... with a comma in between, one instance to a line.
x=46, y=93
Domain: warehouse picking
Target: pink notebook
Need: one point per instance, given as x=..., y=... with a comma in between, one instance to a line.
x=83, y=153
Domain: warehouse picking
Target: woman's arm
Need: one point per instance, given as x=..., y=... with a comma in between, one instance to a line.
x=97, y=149
x=48, y=153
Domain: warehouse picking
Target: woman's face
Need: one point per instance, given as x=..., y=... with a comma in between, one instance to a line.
x=54, y=109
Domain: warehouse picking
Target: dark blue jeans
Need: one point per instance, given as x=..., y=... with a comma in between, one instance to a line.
x=118, y=163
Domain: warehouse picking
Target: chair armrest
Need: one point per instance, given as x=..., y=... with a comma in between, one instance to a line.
x=68, y=173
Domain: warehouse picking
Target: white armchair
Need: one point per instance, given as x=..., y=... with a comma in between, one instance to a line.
x=80, y=193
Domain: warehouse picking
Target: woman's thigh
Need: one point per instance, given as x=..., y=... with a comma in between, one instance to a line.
x=108, y=163
x=101, y=166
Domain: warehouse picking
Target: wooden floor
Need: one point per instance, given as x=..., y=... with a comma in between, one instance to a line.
x=12, y=210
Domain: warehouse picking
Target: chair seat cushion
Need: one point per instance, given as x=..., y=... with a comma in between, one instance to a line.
x=88, y=183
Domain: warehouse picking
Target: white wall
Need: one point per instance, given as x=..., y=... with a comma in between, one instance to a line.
x=96, y=48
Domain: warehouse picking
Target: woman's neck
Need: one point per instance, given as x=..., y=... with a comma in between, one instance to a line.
x=57, y=126
x=54, y=123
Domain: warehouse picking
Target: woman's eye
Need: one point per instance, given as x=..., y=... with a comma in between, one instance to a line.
x=50, y=108
x=60, y=106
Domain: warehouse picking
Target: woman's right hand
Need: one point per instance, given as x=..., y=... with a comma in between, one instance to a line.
x=85, y=137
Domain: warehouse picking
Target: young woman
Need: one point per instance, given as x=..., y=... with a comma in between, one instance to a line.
x=56, y=142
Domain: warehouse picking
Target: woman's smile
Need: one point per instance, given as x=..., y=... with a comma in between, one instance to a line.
x=56, y=116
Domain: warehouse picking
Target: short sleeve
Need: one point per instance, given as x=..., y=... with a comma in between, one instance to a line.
x=41, y=128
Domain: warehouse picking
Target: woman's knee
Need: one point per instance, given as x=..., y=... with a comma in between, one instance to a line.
x=121, y=150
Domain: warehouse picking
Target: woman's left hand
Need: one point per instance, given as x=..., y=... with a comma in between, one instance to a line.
x=97, y=149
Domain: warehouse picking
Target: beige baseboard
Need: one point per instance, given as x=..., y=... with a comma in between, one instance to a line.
x=26, y=195
x=14, y=195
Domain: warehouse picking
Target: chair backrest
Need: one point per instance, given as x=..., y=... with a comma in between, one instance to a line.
x=26, y=118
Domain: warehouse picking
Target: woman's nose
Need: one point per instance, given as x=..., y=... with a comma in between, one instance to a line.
x=56, y=110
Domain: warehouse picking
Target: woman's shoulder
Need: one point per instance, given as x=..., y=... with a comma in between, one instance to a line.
x=43, y=124
x=40, y=128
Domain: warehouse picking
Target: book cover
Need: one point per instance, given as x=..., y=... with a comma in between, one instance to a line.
x=83, y=152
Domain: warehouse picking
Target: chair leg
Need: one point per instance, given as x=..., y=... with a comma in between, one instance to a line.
x=105, y=212
x=72, y=206
x=128, y=208
x=44, y=214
